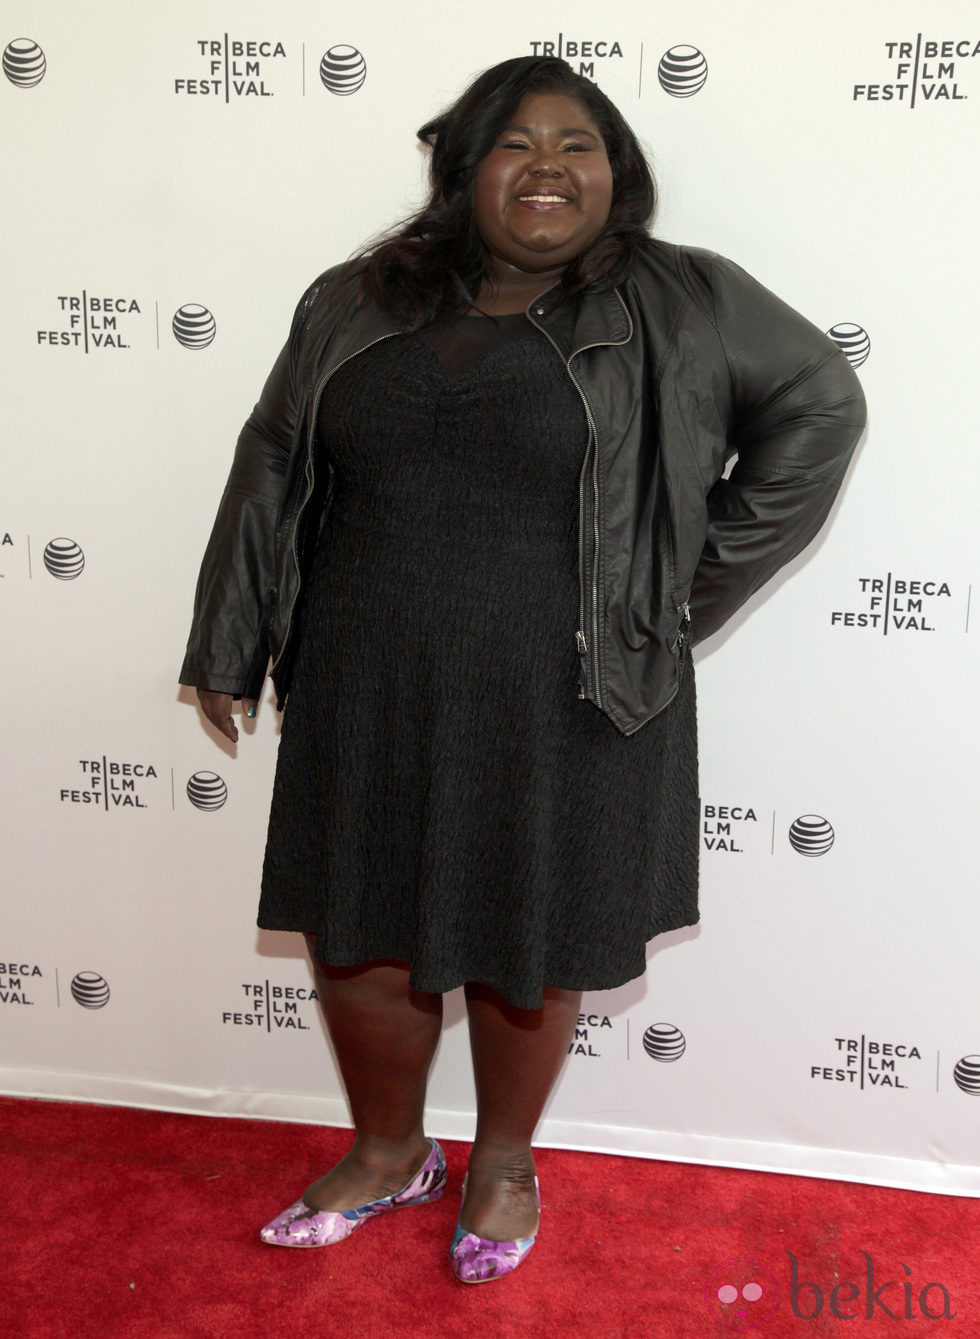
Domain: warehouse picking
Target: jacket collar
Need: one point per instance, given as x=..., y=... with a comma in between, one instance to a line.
x=589, y=318
x=583, y=320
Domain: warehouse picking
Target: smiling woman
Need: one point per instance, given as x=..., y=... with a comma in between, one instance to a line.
x=477, y=518
x=541, y=197
x=512, y=114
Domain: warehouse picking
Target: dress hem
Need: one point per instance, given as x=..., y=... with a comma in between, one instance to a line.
x=507, y=993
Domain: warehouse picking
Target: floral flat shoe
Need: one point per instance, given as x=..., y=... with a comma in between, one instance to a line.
x=299, y=1225
x=478, y=1260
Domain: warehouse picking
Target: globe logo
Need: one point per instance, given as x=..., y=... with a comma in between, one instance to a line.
x=206, y=790
x=811, y=835
x=23, y=62
x=193, y=325
x=683, y=71
x=90, y=990
x=966, y=1075
x=664, y=1042
x=342, y=70
x=64, y=559
x=853, y=342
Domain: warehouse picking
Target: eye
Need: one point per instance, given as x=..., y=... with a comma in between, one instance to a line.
x=576, y=148
x=514, y=144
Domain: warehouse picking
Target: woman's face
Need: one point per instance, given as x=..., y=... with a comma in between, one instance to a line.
x=543, y=193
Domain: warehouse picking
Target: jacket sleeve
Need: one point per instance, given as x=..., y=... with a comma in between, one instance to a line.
x=227, y=650
x=797, y=414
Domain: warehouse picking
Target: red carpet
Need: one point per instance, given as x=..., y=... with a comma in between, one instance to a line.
x=141, y=1223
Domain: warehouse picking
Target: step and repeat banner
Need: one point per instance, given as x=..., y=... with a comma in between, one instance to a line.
x=174, y=177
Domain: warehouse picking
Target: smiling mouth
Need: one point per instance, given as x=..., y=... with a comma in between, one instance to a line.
x=544, y=200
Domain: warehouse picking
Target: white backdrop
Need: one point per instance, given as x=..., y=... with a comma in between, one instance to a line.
x=824, y=1017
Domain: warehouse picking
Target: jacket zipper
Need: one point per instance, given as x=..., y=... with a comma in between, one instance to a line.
x=683, y=632
x=581, y=642
x=580, y=637
x=310, y=434
x=594, y=431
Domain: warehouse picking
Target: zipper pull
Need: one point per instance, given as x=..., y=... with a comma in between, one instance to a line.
x=580, y=643
x=683, y=630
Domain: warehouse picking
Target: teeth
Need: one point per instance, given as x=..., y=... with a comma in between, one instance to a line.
x=546, y=199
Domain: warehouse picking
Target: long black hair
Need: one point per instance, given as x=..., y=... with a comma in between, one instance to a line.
x=437, y=261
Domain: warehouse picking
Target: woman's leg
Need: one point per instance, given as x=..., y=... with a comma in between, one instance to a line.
x=385, y=1035
x=517, y=1054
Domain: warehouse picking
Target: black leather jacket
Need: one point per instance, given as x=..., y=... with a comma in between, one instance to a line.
x=688, y=362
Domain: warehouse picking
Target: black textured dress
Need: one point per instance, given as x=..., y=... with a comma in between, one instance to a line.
x=443, y=796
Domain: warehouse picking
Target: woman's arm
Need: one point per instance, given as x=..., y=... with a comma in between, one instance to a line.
x=227, y=651
x=799, y=412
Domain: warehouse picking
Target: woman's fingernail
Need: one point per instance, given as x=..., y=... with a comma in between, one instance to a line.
x=250, y=712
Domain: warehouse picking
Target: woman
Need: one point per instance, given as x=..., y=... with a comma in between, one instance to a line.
x=476, y=519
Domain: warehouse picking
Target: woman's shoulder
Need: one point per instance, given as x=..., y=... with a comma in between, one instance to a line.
x=337, y=282
x=711, y=282
x=739, y=309
x=674, y=279
x=331, y=299
x=695, y=269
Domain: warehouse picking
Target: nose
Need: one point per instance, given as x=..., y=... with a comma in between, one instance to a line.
x=547, y=165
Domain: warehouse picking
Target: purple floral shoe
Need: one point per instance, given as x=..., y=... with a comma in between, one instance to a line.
x=299, y=1225
x=478, y=1260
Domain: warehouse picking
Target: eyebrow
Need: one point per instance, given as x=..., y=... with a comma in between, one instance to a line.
x=572, y=130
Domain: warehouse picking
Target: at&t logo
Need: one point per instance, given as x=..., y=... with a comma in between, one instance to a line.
x=90, y=990
x=207, y=791
x=584, y=50
x=23, y=62
x=193, y=325
x=64, y=559
x=966, y=1075
x=683, y=71
x=343, y=70
x=853, y=342
x=811, y=835
x=664, y=1042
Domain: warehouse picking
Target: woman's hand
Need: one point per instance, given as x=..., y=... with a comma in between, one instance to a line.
x=217, y=708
